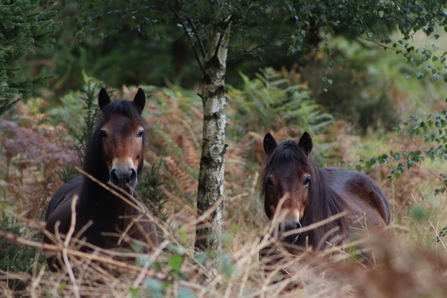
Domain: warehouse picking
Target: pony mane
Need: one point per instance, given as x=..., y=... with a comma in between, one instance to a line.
x=324, y=202
x=286, y=151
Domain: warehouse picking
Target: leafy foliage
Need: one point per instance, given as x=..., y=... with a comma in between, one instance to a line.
x=90, y=119
x=150, y=192
x=432, y=129
x=175, y=120
x=17, y=258
x=166, y=36
x=176, y=270
x=23, y=27
x=272, y=101
x=32, y=150
x=350, y=93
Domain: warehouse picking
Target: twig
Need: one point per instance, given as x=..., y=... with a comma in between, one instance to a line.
x=199, y=40
x=189, y=36
x=76, y=253
x=315, y=225
x=377, y=43
x=36, y=282
x=66, y=243
x=253, y=49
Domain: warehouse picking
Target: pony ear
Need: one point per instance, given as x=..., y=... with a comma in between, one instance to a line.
x=140, y=100
x=305, y=143
x=103, y=99
x=269, y=143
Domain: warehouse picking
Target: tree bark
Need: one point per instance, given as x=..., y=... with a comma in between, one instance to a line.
x=211, y=176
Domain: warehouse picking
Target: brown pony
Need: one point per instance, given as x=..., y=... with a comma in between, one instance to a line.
x=309, y=195
x=114, y=154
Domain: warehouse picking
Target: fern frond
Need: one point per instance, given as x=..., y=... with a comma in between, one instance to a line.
x=191, y=155
x=183, y=180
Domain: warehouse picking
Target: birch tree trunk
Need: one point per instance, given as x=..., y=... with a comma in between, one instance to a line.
x=211, y=176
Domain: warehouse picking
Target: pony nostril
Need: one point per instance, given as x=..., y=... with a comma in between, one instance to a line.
x=114, y=177
x=133, y=175
x=291, y=225
x=123, y=177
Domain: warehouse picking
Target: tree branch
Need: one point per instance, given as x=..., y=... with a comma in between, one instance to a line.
x=189, y=37
x=253, y=49
x=225, y=26
x=199, y=40
x=377, y=43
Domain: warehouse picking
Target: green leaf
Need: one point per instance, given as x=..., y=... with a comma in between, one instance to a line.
x=410, y=163
x=383, y=158
x=134, y=292
x=175, y=261
x=395, y=155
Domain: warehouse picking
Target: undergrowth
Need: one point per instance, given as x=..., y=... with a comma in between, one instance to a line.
x=17, y=259
x=275, y=102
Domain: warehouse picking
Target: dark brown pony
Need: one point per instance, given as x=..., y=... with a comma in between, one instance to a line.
x=309, y=195
x=114, y=154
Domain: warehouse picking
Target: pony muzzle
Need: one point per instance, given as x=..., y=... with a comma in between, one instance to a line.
x=124, y=178
x=290, y=230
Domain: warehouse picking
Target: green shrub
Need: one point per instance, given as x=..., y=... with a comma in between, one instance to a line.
x=150, y=192
x=347, y=91
x=17, y=258
x=270, y=102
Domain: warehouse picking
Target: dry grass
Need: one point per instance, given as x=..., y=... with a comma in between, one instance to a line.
x=405, y=270
x=410, y=263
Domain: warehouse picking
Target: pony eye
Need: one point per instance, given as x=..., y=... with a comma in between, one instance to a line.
x=104, y=134
x=306, y=181
x=140, y=133
x=270, y=182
